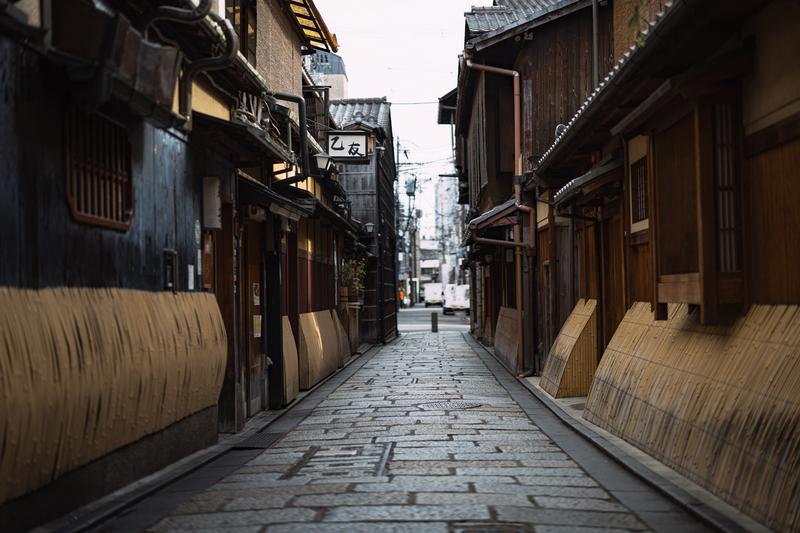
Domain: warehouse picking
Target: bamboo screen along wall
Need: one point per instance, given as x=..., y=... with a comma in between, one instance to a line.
x=571, y=364
x=86, y=371
x=719, y=404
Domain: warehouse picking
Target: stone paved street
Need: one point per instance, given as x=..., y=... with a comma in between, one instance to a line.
x=384, y=451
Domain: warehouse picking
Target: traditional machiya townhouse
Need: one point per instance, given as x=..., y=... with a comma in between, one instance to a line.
x=680, y=174
x=369, y=178
x=527, y=67
x=287, y=231
x=143, y=274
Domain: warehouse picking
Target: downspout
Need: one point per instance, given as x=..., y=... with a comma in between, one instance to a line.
x=175, y=14
x=204, y=65
x=517, y=194
x=595, y=51
x=301, y=105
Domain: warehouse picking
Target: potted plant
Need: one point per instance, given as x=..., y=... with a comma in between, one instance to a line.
x=351, y=279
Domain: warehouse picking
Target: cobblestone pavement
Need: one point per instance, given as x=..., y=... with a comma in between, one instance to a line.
x=385, y=451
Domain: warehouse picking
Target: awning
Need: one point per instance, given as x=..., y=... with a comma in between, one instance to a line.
x=236, y=136
x=315, y=208
x=496, y=216
x=504, y=214
x=253, y=192
x=574, y=187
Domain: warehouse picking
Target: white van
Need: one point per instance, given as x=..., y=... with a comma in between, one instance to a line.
x=456, y=298
x=432, y=292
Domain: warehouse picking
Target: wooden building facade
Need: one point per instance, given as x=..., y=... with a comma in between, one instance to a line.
x=539, y=68
x=680, y=172
x=662, y=278
x=171, y=248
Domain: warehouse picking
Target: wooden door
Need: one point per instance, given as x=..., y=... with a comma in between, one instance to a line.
x=543, y=300
x=291, y=276
x=224, y=286
x=253, y=317
x=613, y=273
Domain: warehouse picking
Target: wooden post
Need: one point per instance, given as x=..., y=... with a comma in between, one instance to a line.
x=706, y=215
x=659, y=309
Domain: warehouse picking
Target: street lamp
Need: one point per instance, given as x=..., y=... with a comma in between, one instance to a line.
x=369, y=227
x=324, y=161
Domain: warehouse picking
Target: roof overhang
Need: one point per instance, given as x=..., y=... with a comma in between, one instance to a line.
x=685, y=35
x=252, y=191
x=574, y=188
x=318, y=209
x=447, y=107
x=310, y=25
x=239, y=137
x=501, y=215
x=525, y=24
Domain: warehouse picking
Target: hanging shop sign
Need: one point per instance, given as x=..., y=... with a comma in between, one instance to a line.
x=347, y=145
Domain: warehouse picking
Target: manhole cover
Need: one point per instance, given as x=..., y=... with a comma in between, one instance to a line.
x=448, y=406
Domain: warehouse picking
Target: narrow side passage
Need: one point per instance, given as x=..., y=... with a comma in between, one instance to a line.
x=384, y=452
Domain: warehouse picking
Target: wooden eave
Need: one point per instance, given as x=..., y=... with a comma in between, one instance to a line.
x=490, y=39
x=686, y=38
x=310, y=26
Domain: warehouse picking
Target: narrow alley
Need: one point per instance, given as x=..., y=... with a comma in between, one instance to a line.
x=427, y=433
x=468, y=266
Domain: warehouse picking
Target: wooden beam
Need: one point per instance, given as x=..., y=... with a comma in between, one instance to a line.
x=781, y=132
x=679, y=292
x=639, y=114
x=660, y=309
x=706, y=211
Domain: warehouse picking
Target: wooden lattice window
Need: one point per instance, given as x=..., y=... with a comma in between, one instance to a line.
x=726, y=178
x=639, y=191
x=98, y=170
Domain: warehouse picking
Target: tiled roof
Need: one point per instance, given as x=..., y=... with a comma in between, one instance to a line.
x=504, y=13
x=372, y=112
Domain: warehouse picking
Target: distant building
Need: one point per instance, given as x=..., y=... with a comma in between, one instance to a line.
x=327, y=68
x=369, y=183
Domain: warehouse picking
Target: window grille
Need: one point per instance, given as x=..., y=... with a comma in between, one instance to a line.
x=727, y=185
x=98, y=170
x=639, y=191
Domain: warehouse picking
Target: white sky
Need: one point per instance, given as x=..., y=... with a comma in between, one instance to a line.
x=406, y=50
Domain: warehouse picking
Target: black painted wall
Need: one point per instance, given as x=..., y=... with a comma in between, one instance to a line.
x=40, y=244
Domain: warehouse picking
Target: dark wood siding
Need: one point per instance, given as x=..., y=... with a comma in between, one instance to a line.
x=772, y=197
x=42, y=245
x=676, y=198
x=556, y=71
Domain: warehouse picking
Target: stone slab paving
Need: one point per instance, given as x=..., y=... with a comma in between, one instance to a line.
x=370, y=456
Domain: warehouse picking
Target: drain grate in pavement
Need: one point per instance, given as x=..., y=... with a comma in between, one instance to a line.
x=448, y=406
x=259, y=441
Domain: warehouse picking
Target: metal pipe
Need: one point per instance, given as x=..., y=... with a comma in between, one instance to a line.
x=301, y=105
x=220, y=62
x=498, y=242
x=176, y=14
x=517, y=191
x=595, y=51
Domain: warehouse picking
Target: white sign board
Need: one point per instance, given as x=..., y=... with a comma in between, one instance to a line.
x=347, y=145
